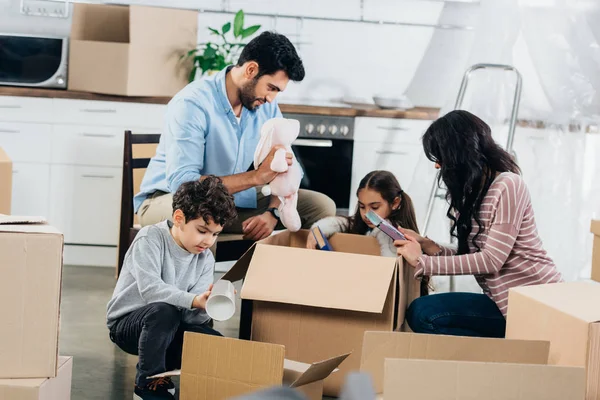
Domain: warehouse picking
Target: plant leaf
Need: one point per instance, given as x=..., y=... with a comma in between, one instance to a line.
x=226, y=28
x=249, y=31
x=210, y=52
x=214, y=31
x=238, y=23
x=192, y=74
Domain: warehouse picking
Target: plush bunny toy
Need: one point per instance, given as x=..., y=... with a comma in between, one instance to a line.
x=281, y=131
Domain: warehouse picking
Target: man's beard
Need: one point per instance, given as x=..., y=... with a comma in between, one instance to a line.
x=248, y=95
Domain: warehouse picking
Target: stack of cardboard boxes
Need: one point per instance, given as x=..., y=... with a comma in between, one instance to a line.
x=31, y=258
x=319, y=304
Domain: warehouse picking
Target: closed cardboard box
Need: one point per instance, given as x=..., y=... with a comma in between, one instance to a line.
x=568, y=316
x=595, y=228
x=438, y=367
x=318, y=304
x=130, y=50
x=219, y=368
x=58, y=388
x=5, y=182
x=31, y=258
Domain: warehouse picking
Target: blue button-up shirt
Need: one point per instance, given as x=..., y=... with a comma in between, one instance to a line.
x=203, y=137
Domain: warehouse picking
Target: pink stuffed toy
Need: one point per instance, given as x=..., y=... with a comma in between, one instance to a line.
x=281, y=131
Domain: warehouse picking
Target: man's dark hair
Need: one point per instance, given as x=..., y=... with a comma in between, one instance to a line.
x=207, y=199
x=273, y=52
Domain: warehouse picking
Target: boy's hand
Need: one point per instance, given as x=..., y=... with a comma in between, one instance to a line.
x=200, y=300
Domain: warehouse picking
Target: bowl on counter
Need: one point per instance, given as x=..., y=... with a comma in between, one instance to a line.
x=391, y=102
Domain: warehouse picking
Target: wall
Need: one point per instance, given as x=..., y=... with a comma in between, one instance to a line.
x=343, y=59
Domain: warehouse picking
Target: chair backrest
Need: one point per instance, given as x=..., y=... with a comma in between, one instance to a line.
x=138, y=149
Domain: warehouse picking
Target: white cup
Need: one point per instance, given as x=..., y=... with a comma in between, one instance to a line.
x=220, y=305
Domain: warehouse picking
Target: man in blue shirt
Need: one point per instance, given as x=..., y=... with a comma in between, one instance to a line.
x=212, y=127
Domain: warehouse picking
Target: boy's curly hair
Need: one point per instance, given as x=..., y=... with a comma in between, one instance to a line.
x=208, y=199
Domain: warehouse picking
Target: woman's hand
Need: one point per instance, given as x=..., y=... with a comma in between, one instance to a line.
x=311, y=242
x=409, y=233
x=409, y=249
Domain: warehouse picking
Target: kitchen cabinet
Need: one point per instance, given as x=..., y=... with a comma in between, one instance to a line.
x=67, y=166
x=85, y=203
x=31, y=189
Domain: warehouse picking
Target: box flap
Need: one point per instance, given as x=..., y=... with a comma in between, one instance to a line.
x=297, y=374
x=461, y=380
x=380, y=345
x=101, y=23
x=318, y=278
x=238, y=271
x=218, y=367
x=26, y=225
x=595, y=227
x=355, y=244
x=17, y=219
x=577, y=299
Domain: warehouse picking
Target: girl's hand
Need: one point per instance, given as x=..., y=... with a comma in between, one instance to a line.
x=409, y=249
x=311, y=242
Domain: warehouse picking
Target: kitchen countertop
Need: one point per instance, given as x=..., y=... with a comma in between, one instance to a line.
x=425, y=113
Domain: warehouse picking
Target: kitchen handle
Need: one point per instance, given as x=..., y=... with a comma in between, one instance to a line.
x=9, y=131
x=400, y=153
x=392, y=128
x=11, y=106
x=98, y=135
x=99, y=110
x=98, y=176
x=312, y=143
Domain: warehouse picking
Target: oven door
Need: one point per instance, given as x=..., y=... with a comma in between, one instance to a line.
x=327, y=165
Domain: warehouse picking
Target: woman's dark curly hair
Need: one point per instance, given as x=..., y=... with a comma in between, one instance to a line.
x=462, y=145
x=208, y=199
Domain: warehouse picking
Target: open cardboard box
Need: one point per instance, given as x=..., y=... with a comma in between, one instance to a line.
x=58, y=388
x=438, y=367
x=31, y=259
x=6, y=174
x=318, y=304
x=568, y=316
x=119, y=50
x=595, y=228
x=218, y=368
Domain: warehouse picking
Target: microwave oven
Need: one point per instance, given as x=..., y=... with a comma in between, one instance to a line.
x=33, y=61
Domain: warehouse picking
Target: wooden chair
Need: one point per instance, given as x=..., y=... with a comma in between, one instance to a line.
x=137, y=151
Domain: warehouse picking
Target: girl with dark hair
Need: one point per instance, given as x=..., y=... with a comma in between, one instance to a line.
x=493, y=222
x=378, y=191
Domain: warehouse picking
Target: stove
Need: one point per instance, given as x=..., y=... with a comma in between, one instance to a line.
x=324, y=150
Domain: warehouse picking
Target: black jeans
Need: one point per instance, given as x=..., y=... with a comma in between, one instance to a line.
x=155, y=334
x=461, y=314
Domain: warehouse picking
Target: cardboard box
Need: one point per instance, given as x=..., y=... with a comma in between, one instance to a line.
x=568, y=316
x=378, y=346
x=219, y=368
x=5, y=182
x=31, y=258
x=595, y=228
x=119, y=50
x=465, y=380
x=58, y=388
x=318, y=304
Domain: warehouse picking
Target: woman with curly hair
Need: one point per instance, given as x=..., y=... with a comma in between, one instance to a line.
x=493, y=222
x=166, y=279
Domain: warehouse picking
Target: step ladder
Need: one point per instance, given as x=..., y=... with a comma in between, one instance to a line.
x=437, y=192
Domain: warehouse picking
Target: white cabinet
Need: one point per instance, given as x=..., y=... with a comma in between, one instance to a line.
x=85, y=203
x=31, y=189
x=26, y=109
x=386, y=144
x=26, y=142
x=87, y=145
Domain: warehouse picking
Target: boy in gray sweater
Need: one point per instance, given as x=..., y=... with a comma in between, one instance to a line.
x=166, y=279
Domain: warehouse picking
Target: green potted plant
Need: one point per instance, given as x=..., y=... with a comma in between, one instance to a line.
x=213, y=56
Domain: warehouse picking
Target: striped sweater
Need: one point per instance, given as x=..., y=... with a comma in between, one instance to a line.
x=511, y=252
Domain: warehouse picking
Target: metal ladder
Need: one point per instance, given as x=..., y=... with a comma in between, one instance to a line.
x=436, y=191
